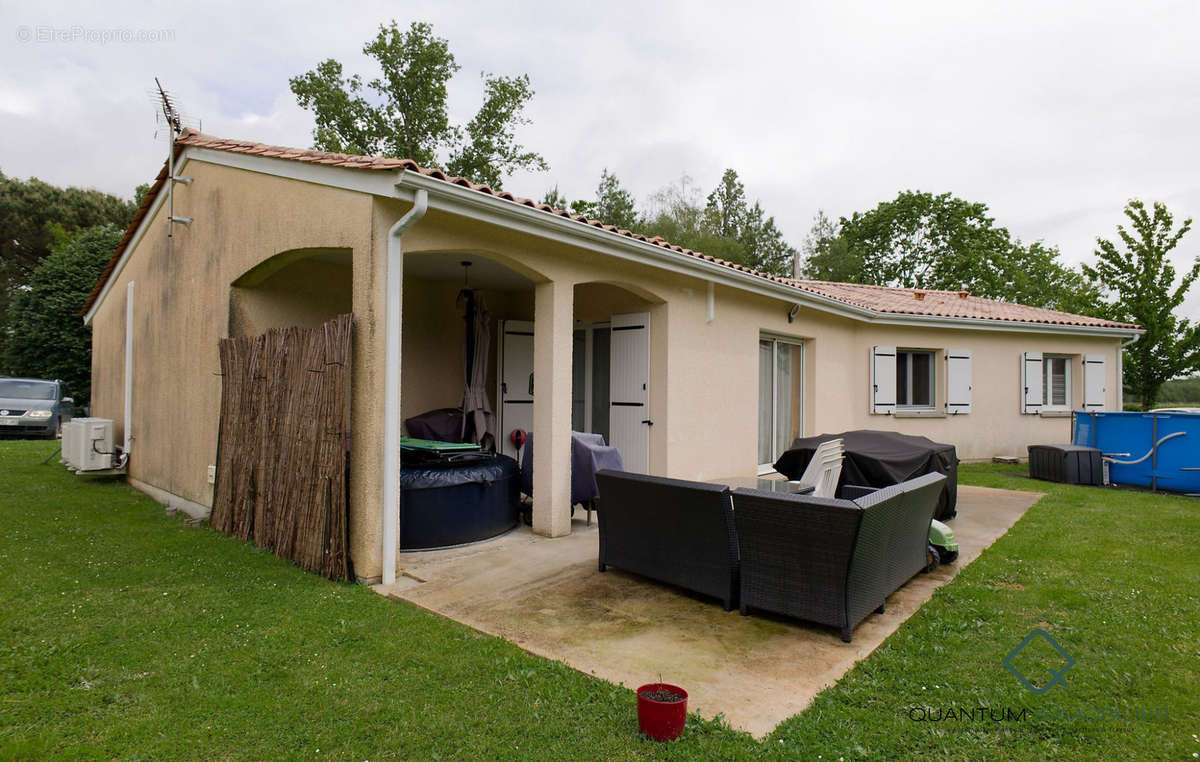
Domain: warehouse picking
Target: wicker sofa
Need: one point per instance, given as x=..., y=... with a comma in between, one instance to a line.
x=832, y=561
x=674, y=531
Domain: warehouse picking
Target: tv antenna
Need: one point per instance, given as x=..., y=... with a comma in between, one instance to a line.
x=170, y=116
x=169, y=112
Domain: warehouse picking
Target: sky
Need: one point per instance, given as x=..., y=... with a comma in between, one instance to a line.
x=1053, y=114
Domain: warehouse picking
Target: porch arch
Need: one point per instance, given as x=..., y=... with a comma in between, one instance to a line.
x=298, y=287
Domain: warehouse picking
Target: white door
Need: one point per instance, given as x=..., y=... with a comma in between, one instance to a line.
x=629, y=390
x=516, y=382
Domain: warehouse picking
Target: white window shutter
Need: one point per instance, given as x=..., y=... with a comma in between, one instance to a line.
x=883, y=380
x=1032, y=380
x=958, y=381
x=1093, y=382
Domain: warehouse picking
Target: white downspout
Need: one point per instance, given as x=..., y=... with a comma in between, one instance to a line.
x=128, y=372
x=1121, y=370
x=391, y=379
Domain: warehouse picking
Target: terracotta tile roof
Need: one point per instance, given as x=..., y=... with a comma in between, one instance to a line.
x=948, y=304
x=876, y=298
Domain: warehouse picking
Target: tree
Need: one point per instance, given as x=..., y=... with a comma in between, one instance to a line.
x=558, y=200
x=411, y=120
x=920, y=240
x=1144, y=288
x=729, y=216
x=555, y=199
x=29, y=210
x=1181, y=390
x=763, y=240
x=48, y=340
x=725, y=212
x=726, y=227
x=614, y=204
x=827, y=255
x=676, y=215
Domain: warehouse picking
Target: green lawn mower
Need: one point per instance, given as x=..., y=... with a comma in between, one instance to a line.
x=943, y=548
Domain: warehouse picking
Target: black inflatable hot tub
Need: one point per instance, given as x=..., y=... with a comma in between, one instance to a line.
x=456, y=499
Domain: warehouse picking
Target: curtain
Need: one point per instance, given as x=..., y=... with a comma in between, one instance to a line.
x=475, y=404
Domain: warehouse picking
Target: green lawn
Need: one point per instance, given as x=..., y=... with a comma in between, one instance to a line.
x=130, y=634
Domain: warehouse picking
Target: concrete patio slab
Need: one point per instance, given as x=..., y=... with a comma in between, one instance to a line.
x=547, y=596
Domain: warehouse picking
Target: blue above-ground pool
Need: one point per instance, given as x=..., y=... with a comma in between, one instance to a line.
x=1156, y=450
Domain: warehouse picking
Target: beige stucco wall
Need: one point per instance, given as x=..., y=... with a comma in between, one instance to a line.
x=306, y=293
x=704, y=375
x=182, y=310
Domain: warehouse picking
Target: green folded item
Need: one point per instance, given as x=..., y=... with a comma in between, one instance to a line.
x=430, y=445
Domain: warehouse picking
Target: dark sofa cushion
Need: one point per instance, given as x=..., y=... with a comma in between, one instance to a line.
x=674, y=531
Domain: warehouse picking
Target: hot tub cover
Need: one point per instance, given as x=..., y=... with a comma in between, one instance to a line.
x=880, y=459
x=451, y=499
x=432, y=472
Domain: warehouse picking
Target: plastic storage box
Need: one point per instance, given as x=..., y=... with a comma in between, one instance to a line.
x=1069, y=464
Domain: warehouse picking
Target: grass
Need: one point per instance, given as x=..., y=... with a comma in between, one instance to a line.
x=129, y=634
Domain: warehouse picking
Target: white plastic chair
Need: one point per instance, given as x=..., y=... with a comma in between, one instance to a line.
x=824, y=469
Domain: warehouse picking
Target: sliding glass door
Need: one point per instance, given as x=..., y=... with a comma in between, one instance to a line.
x=780, y=397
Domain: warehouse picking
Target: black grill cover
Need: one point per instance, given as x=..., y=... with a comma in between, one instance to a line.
x=442, y=425
x=881, y=459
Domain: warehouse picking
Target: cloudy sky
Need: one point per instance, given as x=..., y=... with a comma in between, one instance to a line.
x=1054, y=114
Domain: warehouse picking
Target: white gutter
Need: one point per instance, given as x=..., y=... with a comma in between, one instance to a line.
x=473, y=204
x=1121, y=370
x=391, y=380
x=128, y=371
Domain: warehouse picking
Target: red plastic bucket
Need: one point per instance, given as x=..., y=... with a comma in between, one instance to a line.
x=661, y=720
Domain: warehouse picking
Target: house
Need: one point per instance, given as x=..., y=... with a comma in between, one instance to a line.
x=694, y=367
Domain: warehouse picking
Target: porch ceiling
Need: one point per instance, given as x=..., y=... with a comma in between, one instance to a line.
x=484, y=272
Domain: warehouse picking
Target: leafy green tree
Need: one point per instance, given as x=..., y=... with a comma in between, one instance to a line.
x=411, y=120
x=729, y=216
x=555, y=198
x=827, y=255
x=1144, y=288
x=1181, y=390
x=614, y=204
x=48, y=340
x=766, y=249
x=29, y=211
x=920, y=240
x=676, y=215
x=726, y=226
x=725, y=212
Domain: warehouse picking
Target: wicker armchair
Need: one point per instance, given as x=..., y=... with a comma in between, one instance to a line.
x=674, y=531
x=832, y=561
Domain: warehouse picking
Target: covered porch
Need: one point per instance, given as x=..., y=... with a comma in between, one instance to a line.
x=549, y=598
x=556, y=355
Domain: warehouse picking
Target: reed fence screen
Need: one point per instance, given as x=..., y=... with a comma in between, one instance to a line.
x=283, y=449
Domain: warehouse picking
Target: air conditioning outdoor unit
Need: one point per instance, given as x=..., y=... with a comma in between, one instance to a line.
x=70, y=433
x=89, y=444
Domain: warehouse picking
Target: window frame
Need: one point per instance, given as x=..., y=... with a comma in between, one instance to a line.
x=799, y=376
x=932, y=354
x=1068, y=380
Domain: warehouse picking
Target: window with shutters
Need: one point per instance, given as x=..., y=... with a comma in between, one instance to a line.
x=780, y=397
x=1056, y=386
x=915, y=379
